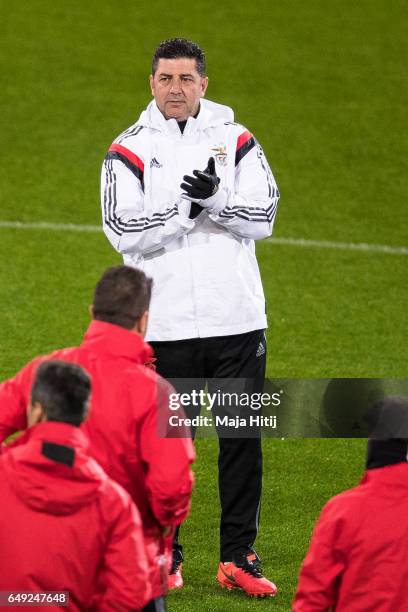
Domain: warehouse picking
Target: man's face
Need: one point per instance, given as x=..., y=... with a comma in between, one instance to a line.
x=177, y=87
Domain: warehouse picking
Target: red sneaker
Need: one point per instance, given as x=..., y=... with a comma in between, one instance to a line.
x=175, y=577
x=245, y=573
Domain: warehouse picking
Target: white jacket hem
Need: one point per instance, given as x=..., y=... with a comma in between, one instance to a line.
x=187, y=333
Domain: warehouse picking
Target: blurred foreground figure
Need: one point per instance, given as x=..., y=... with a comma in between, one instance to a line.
x=358, y=556
x=64, y=525
x=129, y=405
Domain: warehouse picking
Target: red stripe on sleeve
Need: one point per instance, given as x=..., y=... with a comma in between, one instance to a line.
x=132, y=157
x=243, y=139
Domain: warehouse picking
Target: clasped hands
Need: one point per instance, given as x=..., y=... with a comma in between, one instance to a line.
x=200, y=187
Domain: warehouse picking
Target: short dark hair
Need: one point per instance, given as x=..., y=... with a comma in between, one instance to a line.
x=121, y=296
x=63, y=391
x=179, y=47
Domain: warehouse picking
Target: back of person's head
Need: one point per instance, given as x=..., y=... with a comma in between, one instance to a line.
x=388, y=425
x=62, y=390
x=122, y=296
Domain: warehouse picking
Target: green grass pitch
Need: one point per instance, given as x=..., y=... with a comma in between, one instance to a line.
x=323, y=87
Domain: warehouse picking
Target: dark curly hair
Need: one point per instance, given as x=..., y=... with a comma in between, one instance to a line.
x=179, y=47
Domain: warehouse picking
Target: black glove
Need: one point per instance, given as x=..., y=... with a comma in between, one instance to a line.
x=202, y=185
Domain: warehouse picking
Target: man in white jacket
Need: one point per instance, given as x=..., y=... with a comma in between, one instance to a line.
x=185, y=192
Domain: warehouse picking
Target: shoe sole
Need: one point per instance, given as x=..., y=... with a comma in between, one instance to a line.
x=175, y=588
x=233, y=587
x=230, y=587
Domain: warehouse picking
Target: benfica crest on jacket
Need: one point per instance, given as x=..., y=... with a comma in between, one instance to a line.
x=220, y=154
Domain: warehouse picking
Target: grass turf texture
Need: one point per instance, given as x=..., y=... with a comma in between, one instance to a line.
x=323, y=87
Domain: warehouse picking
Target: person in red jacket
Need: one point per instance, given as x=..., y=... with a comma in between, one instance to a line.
x=358, y=556
x=64, y=525
x=129, y=407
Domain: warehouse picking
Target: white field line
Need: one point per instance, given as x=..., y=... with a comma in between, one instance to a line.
x=54, y=227
x=341, y=246
x=297, y=242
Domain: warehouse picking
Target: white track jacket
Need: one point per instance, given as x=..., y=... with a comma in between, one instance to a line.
x=205, y=273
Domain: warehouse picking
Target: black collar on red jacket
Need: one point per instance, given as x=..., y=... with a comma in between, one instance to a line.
x=386, y=452
x=388, y=424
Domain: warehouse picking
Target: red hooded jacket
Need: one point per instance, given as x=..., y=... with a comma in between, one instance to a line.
x=358, y=556
x=69, y=527
x=129, y=406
